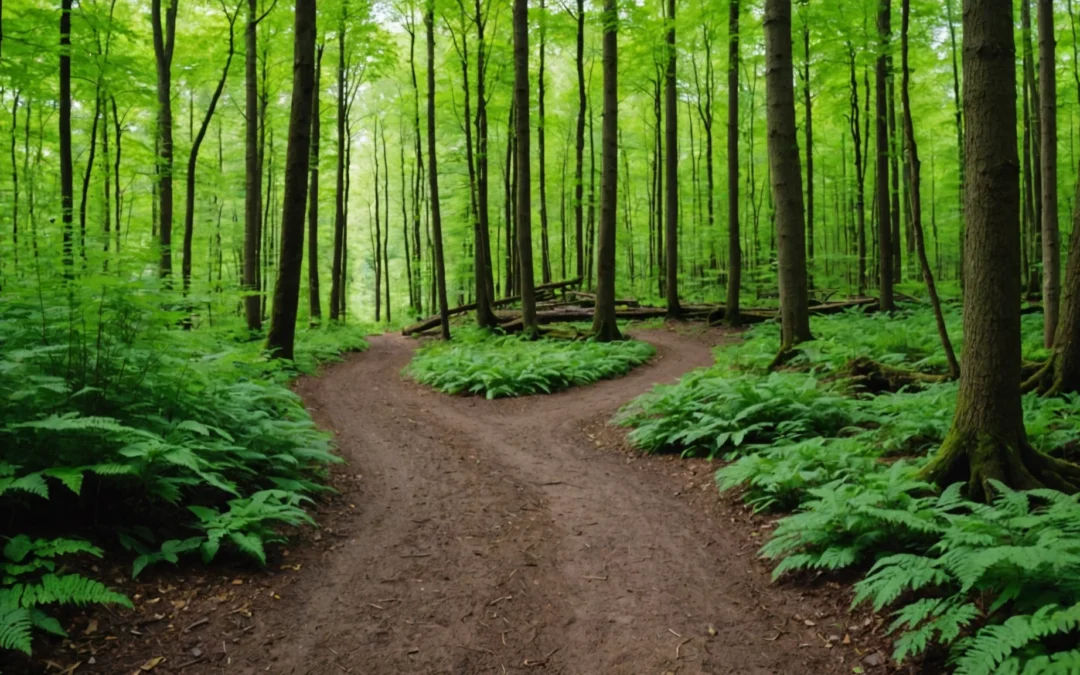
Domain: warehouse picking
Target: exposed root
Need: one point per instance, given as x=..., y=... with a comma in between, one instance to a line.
x=978, y=459
x=875, y=377
x=1042, y=380
x=784, y=356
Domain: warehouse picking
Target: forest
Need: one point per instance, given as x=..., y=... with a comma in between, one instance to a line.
x=395, y=336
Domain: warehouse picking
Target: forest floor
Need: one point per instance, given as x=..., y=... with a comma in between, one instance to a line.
x=475, y=536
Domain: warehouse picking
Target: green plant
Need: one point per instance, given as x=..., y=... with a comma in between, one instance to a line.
x=31, y=579
x=482, y=363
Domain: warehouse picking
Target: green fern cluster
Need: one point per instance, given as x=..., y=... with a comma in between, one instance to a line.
x=485, y=364
x=713, y=411
x=31, y=579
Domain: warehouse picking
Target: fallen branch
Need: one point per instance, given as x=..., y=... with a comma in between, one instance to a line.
x=543, y=292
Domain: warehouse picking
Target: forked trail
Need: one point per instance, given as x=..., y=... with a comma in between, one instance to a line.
x=496, y=537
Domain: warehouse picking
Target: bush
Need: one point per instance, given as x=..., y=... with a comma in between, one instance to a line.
x=485, y=364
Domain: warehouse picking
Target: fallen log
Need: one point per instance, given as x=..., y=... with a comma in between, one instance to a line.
x=543, y=292
x=591, y=298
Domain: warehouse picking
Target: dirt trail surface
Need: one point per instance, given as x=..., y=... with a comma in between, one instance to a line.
x=508, y=536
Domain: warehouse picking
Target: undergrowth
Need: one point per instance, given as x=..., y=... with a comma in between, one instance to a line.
x=485, y=364
x=123, y=423
x=995, y=585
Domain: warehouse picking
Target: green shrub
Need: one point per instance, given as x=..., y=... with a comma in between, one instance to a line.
x=481, y=363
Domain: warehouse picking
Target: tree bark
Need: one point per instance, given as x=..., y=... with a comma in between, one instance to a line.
x=671, y=164
x=914, y=195
x=524, y=159
x=731, y=316
x=545, y=245
x=67, y=189
x=785, y=175
x=884, y=208
x=579, y=145
x=895, y=243
x=337, y=265
x=860, y=173
x=987, y=440
x=433, y=174
x=808, y=104
x=1035, y=131
x=1051, y=238
x=605, y=325
x=485, y=285
x=959, y=118
x=282, y=335
x=314, y=303
x=252, y=173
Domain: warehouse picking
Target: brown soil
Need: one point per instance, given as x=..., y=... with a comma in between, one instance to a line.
x=475, y=536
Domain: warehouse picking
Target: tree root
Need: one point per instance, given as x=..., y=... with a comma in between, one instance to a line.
x=979, y=459
x=877, y=378
x=784, y=356
x=1042, y=380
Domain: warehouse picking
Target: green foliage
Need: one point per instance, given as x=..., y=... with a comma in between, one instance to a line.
x=478, y=362
x=711, y=411
x=30, y=579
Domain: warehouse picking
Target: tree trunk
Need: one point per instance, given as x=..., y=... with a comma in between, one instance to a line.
x=914, y=195
x=987, y=440
x=1035, y=158
x=545, y=245
x=605, y=325
x=884, y=208
x=282, y=334
x=959, y=117
x=164, y=41
x=671, y=165
x=193, y=158
x=252, y=172
x=809, y=131
x=524, y=189
x=67, y=200
x=376, y=227
x=785, y=175
x=731, y=313
x=895, y=242
x=337, y=265
x=433, y=174
x=579, y=146
x=860, y=173
x=1051, y=238
x=485, y=284
x=386, y=227
x=89, y=172
x=314, y=303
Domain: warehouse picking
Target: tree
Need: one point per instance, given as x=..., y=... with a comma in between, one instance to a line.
x=785, y=170
x=523, y=219
x=671, y=165
x=545, y=248
x=605, y=326
x=914, y=194
x=433, y=174
x=67, y=199
x=884, y=205
x=987, y=440
x=282, y=334
x=579, y=143
x=193, y=157
x=252, y=171
x=731, y=309
x=314, y=303
x=1051, y=239
x=337, y=267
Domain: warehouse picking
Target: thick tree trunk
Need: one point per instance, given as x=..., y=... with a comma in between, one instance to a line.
x=282, y=334
x=671, y=165
x=785, y=175
x=524, y=185
x=433, y=174
x=987, y=440
x=67, y=200
x=605, y=326
x=314, y=303
x=884, y=208
x=193, y=157
x=164, y=41
x=1051, y=238
x=484, y=267
x=914, y=195
x=731, y=316
x=252, y=172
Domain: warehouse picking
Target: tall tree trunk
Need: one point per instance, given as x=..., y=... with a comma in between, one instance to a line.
x=282, y=334
x=88, y=173
x=987, y=440
x=860, y=172
x=884, y=210
x=337, y=265
x=524, y=189
x=193, y=158
x=164, y=41
x=895, y=242
x=314, y=303
x=579, y=146
x=658, y=174
x=808, y=104
x=671, y=164
x=1051, y=238
x=433, y=174
x=959, y=118
x=252, y=172
x=15, y=177
x=418, y=178
x=376, y=229
x=545, y=245
x=605, y=326
x=66, y=170
x=1031, y=84
x=484, y=268
x=731, y=309
x=785, y=175
x=914, y=195
x=386, y=228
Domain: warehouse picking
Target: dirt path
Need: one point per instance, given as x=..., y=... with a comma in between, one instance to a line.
x=493, y=537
